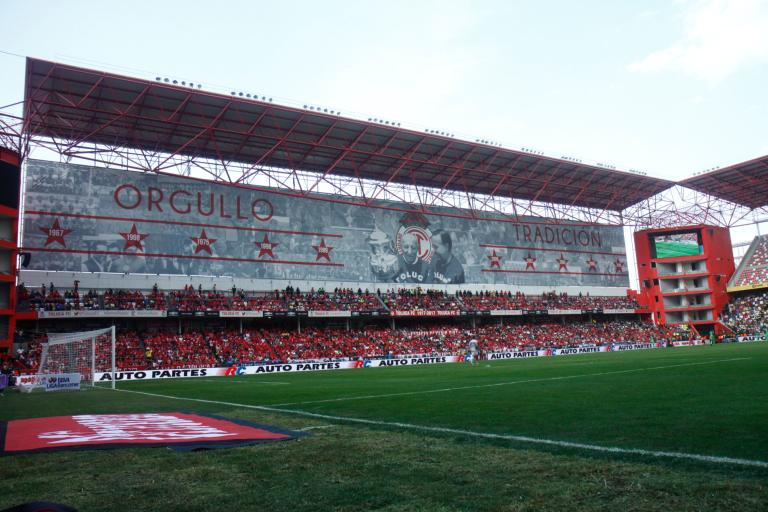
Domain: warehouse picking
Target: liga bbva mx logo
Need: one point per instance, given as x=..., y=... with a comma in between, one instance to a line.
x=415, y=225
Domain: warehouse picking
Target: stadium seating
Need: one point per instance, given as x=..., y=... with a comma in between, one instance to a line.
x=339, y=300
x=748, y=313
x=171, y=350
x=130, y=352
x=755, y=270
x=418, y=300
x=137, y=351
x=191, y=299
x=271, y=302
x=212, y=347
x=491, y=301
x=126, y=299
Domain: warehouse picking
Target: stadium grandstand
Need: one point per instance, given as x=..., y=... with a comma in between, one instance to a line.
x=753, y=270
x=49, y=298
x=205, y=213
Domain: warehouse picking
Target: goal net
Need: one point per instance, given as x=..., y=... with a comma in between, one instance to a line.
x=77, y=353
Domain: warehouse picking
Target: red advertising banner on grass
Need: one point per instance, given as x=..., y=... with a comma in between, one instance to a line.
x=178, y=430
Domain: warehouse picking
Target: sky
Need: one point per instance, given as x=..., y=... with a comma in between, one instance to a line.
x=666, y=87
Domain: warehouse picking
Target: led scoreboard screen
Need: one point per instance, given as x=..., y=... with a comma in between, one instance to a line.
x=675, y=245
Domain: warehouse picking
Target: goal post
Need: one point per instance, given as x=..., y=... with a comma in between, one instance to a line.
x=86, y=354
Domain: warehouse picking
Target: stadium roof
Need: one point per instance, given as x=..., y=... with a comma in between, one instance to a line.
x=745, y=183
x=85, y=106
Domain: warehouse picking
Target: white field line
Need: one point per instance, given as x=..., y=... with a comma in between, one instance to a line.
x=484, y=435
x=497, y=384
x=243, y=381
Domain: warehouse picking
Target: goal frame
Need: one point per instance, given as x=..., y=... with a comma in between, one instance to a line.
x=56, y=339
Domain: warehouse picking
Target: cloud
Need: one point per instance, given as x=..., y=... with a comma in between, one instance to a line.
x=720, y=38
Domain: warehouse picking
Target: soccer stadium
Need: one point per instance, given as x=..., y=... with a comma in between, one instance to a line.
x=213, y=300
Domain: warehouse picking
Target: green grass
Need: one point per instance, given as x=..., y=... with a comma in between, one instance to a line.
x=704, y=400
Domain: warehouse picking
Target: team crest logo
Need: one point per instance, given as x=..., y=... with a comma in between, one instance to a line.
x=414, y=239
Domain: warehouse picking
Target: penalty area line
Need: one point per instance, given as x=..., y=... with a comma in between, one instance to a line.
x=482, y=435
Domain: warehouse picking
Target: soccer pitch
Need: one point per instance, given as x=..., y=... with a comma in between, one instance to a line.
x=674, y=429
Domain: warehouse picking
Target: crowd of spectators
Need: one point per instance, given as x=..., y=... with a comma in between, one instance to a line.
x=27, y=356
x=571, y=334
x=748, y=314
x=552, y=300
x=266, y=302
x=210, y=348
x=127, y=299
x=130, y=351
x=419, y=300
x=342, y=299
x=191, y=299
x=49, y=298
x=231, y=347
x=172, y=350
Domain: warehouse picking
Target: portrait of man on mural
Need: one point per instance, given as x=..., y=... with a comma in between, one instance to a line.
x=446, y=269
x=413, y=269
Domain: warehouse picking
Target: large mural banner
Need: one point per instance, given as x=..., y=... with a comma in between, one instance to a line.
x=79, y=218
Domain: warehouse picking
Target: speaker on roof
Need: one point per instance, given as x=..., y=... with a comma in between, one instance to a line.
x=26, y=258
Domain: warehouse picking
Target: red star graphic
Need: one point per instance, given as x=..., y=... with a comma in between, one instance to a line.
x=530, y=262
x=203, y=243
x=592, y=265
x=562, y=262
x=55, y=233
x=619, y=266
x=133, y=238
x=323, y=251
x=265, y=247
x=495, y=260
